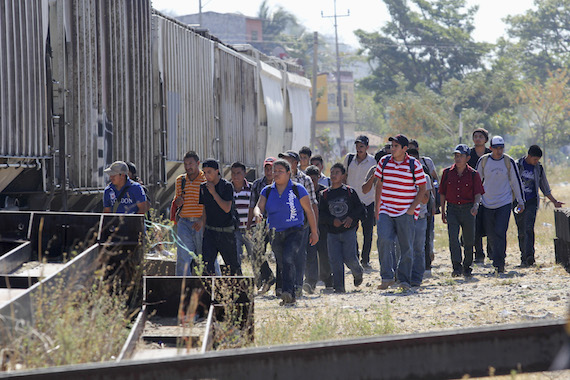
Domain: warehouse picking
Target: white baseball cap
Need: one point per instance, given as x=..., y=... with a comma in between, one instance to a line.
x=497, y=141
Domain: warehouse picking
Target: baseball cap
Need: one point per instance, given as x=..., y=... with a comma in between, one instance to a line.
x=497, y=141
x=362, y=139
x=462, y=149
x=290, y=153
x=117, y=167
x=269, y=161
x=210, y=163
x=400, y=139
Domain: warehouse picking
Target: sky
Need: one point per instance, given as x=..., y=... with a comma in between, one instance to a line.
x=369, y=15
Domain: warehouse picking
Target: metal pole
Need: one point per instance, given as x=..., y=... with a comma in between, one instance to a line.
x=314, y=97
x=460, y=128
x=200, y=12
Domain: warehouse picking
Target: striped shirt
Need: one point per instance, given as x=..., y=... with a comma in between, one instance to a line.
x=398, y=188
x=242, y=199
x=191, y=208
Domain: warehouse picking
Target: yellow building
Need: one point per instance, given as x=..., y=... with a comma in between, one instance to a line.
x=327, y=115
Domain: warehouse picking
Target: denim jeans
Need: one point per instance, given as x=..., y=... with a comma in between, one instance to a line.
x=241, y=240
x=367, y=231
x=342, y=250
x=325, y=272
x=479, y=233
x=312, y=265
x=224, y=243
x=286, y=245
x=190, y=240
x=389, y=228
x=459, y=217
x=525, y=225
x=419, y=254
x=496, y=224
x=429, y=240
x=301, y=258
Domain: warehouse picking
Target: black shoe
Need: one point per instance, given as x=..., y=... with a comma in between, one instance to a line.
x=467, y=273
x=456, y=273
x=339, y=291
x=500, y=269
x=357, y=280
x=366, y=266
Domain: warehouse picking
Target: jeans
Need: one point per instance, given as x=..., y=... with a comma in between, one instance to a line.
x=390, y=228
x=241, y=240
x=429, y=240
x=525, y=225
x=419, y=254
x=224, y=243
x=190, y=240
x=325, y=272
x=496, y=223
x=367, y=230
x=286, y=245
x=479, y=233
x=312, y=265
x=459, y=217
x=342, y=250
x=301, y=258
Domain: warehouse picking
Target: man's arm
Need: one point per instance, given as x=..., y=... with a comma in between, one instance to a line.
x=419, y=196
x=475, y=208
x=377, y=197
x=142, y=207
x=259, y=208
x=554, y=201
x=226, y=206
x=443, y=210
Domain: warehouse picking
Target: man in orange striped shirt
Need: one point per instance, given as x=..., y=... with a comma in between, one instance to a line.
x=190, y=228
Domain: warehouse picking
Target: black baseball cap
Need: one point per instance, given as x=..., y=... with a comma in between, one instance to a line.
x=362, y=139
x=210, y=163
x=462, y=149
x=290, y=153
x=400, y=139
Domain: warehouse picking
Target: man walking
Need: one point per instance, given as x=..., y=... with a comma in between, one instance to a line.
x=461, y=189
x=190, y=228
x=501, y=180
x=242, y=198
x=533, y=178
x=122, y=195
x=357, y=166
x=480, y=138
x=401, y=186
x=317, y=160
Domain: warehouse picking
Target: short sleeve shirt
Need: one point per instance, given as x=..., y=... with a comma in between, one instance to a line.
x=215, y=216
x=284, y=210
x=133, y=194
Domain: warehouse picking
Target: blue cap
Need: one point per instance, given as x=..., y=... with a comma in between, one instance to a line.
x=462, y=149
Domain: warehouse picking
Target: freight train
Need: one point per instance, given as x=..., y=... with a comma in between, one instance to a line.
x=86, y=82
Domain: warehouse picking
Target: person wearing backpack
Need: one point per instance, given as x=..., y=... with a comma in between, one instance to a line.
x=339, y=210
x=533, y=178
x=502, y=184
x=461, y=189
x=357, y=165
x=401, y=187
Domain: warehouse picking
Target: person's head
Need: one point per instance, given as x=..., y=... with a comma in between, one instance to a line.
x=497, y=147
x=191, y=163
x=414, y=153
x=414, y=144
x=317, y=160
x=132, y=170
x=337, y=174
x=388, y=148
x=379, y=155
x=118, y=172
x=534, y=155
x=361, y=143
x=238, y=173
x=480, y=136
x=268, y=168
x=211, y=170
x=281, y=171
x=313, y=172
x=304, y=156
x=461, y=155
x=292, y=158
x=399, y=146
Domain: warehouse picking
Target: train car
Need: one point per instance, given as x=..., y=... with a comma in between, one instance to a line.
x=86, y=83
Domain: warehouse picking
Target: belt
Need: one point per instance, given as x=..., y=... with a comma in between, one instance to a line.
x=465, y=205
x=220, y=229
x=192, y=218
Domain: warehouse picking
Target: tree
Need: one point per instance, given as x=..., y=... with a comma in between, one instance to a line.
x=546, y=106
x=426, y=42
x=542, y=37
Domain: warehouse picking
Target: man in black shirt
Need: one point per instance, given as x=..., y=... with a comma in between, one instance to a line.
x=219, y=219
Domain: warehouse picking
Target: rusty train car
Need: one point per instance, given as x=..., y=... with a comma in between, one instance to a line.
x=86, y=82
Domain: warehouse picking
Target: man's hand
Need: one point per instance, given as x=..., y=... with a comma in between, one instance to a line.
x=444, y=217
x=337, y=222
x=179, y=201
x=410, y=211
x=347, y=222
x=211, y=188
x=314, y=238
x=197, y=226
x=257, y=217
x=558, y=204
x=475, y=210
x=519, y=208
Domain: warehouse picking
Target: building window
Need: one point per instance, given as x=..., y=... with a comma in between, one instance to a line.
x=254, y=35
x=332, y=100
x=345, y=100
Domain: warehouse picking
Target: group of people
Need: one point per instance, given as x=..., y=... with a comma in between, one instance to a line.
x=311, y=220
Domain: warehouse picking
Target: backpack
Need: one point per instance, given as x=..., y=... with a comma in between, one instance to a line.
x=363, y=213
x=349, y=160
x=412, y=167
x=484, y=160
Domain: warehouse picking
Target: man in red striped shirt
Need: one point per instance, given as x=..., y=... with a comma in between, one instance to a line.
x=398, y=193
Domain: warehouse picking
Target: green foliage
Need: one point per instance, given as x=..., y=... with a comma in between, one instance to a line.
x=517, y=151
x=369, y=114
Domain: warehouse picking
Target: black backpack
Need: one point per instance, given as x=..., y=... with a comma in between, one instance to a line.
x=412, y=167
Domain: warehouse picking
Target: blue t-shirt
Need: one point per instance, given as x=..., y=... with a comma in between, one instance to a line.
x=529, y=185
x=284, y=211
x=133, y=194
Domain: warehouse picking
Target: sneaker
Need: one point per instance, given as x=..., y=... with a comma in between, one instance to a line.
x=386, y=284
x=299, y=292
x=358, y=280
x=404, y=286
x=266, y=286
x=287, y=299
x=308, y=288
x=456, y=273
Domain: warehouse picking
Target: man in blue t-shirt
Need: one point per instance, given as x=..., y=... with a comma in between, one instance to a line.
x=533, y=177
x=122, y=195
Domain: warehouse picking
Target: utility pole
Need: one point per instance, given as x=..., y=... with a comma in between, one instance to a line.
x=200, y=12
x=314, y=97
x=338, y=85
